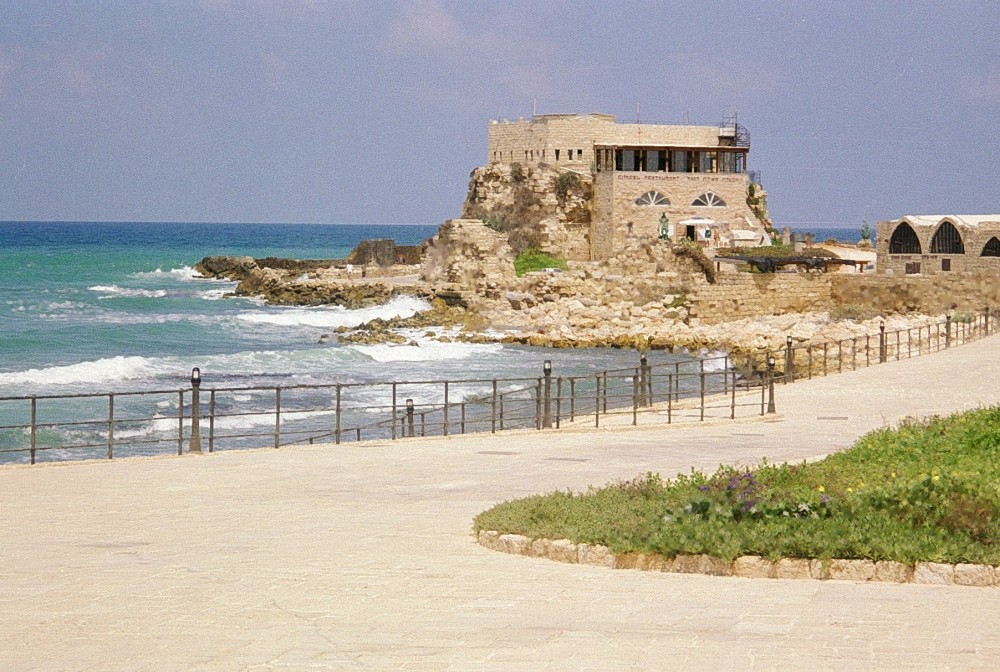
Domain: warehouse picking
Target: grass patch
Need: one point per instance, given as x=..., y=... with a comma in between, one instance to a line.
x=781, y=251
x=927, y=491
x=534, y=260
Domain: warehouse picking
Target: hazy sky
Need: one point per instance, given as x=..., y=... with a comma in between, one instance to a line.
x=346, y=111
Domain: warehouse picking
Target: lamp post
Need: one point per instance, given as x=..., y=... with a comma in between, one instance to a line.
x=194, y=444
x=547, y=416
x=644, y=399
x=770, y=383
x=789, y=360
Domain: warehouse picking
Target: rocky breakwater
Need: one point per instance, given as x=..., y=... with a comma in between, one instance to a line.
x=295, y=284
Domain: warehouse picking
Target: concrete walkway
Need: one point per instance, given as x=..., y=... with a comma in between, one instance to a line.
x=359, y=557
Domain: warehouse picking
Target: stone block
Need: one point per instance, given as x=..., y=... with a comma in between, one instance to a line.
x=819, y=569
x=489, y=539
x=852, y=570
x=594, y=554
x=518, y=544
x=563, y=550
x=933, y=573
x=974, y=575
x=539, y=548
x=892, y=571
x=753, y=567
x=642, y=561
x=792, y=568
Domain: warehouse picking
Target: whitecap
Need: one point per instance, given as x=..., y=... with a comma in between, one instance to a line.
x=112, y=291
x=330, y=317
x=99, y=371
x=427, y=352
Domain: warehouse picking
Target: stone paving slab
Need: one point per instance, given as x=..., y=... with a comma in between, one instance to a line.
x=359, y=557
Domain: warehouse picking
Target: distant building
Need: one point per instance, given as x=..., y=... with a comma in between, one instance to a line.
x=938, y=244
x=691, y=178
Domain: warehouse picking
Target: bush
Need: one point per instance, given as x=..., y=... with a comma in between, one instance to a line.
x=517, y=173
x=690, y=250
x=564, y=183
x=533, y=259
x=926, y=491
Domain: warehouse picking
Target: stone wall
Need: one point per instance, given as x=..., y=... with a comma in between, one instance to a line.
x=538, y=139
x=974, y=239
x=737, y=296
x=560, y=224
x=470, y=257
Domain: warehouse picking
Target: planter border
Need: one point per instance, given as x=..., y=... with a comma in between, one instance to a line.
x=747, y=566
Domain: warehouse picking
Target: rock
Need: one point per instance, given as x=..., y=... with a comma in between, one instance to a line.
x=518, y=544
x=594, y=554
x=891, y=571
x=792, y=568
x=852, y=570
x=933, y=573
x=753, y=567
x=974, y=575
x=520, y=300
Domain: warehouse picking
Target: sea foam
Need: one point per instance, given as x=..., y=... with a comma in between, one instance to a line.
x=336, y=316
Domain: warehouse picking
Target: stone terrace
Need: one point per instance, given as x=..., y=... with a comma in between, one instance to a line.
x=359, y=557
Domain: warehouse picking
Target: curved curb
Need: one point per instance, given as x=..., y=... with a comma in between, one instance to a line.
x=747, y=566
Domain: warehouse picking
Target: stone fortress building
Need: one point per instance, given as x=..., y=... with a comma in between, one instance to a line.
x=938, y=244
x=649, y=180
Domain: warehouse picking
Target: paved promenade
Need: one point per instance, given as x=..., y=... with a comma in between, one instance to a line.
x=359, y=557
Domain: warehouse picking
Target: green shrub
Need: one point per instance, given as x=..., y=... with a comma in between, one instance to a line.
x=564, y=183
x=854, y=311
x=517, y=173
x=690, y=250
x=532, y=259
x=926, y=491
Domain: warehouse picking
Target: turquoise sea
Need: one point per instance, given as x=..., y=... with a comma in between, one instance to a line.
x=115, y=307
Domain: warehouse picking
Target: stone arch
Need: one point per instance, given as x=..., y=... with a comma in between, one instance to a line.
x=652, y=198
x=947, y=240
x=991, y=248
x=904, y=240
x=709, y=199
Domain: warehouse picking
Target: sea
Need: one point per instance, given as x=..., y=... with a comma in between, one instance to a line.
x=91, y=308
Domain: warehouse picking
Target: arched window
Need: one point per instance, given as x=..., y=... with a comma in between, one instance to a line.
x=652, y=198
x=710, y=200
x=947, y=240
x=904, y=240
x=991, y=248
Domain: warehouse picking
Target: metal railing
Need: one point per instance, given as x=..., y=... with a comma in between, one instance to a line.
x=105, y=425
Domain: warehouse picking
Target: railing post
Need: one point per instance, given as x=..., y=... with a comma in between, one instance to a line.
x=643, y=377
x=394, y=411
x=336, y=431
x=180, y=422
x=493, y=421
x=824, y=358
x=897, y=345
x=868, y=350
x=211, y=421
x=947, y=331
x=501, y=412
x=986, y=320
x=463, y=417
x=789, y=360
x=597, y=400
x=605, y=392
x=881, y=342
x=572, y=399
x=670, y=397
x=770, y=383
x=558, y=401
x=732, y=408
x=538, y=404
x=444, y=427
x=423, y=423
x=840, y=356
x=547, y=372
x=677, y=381
x=277, y=417
x=194, y=442
x=809, y=357
x=111, y=426
x=34, y=427
x=702, y=418
x=635, y=398
x=409, y=416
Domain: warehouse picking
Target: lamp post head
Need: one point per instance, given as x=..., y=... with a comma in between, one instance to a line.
x=770, y=361
x=788, y=341
x=547, y=367
x=409, y=404
x=881, y=325
x=642, y=359
x=195, y=376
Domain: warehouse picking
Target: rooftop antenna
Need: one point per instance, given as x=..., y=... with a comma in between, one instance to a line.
x=534, y=103
x=637, y=111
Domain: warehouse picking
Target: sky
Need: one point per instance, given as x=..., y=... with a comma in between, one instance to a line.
x=374, y=111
